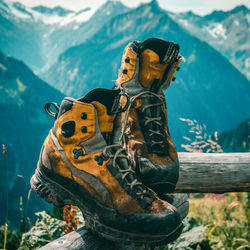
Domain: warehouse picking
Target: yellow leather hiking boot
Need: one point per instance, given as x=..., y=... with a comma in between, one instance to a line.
x=147, y=70
x=82, y=163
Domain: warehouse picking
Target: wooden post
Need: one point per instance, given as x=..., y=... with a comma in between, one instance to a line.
x=199, y=173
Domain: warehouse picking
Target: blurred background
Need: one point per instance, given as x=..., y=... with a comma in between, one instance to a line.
x=51, y=49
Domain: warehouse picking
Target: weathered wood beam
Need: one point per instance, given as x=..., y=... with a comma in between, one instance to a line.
x=199, y=173
x=214, y=173
x=82, y=239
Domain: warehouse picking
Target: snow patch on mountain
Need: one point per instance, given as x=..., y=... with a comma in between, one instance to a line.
x=21, y=86
x=46, y=18
x=46, y=15
x=191, y=58
x=248, y=18
x=72, y=74
x=72, y=17
x=19, y=11
x=217, y=30
x=236, y=23
x=184, y=22
x=79, y=17
x=4, y=7
x=2, y=67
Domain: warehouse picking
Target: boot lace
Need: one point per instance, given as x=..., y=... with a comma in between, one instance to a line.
x=141, y=191
x=156, y=120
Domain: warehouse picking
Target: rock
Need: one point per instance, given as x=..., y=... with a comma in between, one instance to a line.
x=193, y=237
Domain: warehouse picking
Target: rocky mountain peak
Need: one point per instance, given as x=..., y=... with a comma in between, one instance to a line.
x=58, y=10
x=240, y=8
x=154, y=6
x=112, y=6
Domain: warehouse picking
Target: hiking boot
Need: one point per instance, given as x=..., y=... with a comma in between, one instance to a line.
x=147, y=70
x=82, y=163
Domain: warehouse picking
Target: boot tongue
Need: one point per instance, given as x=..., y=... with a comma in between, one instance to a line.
x=108, y=97
x=168, y=53
x=160, y=47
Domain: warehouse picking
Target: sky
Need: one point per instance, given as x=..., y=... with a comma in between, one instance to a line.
x=200, y=7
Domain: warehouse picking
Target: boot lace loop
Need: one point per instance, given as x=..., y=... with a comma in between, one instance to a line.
x=121, y=153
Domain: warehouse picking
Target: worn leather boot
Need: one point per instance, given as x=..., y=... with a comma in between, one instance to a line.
x=147, y=70
x=82, y=163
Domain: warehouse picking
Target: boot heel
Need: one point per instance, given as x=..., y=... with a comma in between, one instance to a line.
x=46, y=190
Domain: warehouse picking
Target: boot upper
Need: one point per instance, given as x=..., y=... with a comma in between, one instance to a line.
x=147, y=70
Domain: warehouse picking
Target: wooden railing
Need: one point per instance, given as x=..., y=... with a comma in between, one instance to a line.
x=199, y=173
x=214, y=173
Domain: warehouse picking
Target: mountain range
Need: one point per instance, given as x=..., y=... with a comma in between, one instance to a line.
x=228, y=32
x=47, y=32
x=39, y=35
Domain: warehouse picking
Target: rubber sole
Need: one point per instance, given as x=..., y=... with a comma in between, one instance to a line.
x=52, y=191
x=128, y=238
x=179, y=201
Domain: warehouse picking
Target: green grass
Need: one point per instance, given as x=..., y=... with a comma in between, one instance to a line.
x=226, y=218
x=13, y=238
